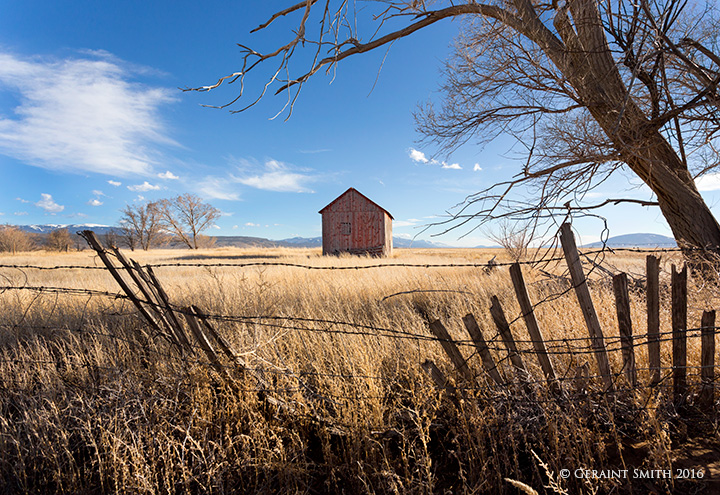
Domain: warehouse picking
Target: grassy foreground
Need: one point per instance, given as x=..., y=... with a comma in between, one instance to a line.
x=88, y=405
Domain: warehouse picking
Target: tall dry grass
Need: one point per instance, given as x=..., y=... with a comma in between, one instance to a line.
x=91, y=401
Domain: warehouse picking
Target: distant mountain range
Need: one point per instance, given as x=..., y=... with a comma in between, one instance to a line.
x=238, y=241
x=636, y=240
x=620, y=241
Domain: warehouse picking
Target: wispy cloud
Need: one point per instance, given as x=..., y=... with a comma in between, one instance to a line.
x=22, y=200
x=145, y=186
x=82, y=115
x=95, y=202
x=410, y=222
x=168, y=175
x=278, y=176
x=250, y=224
x=417, y=156
x=20, y=213
x=114, y=183
x=218, y=188
x=48, y=204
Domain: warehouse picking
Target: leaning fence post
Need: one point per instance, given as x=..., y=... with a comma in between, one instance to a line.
x=586, y=305
x=652, y=268
x=622, y=304
x=439, y=330
x=532, y=325
x=437, y=376
x=707, y=394
x=91, y=239
x=679, y=333
x=503, y=327
x=482, y=348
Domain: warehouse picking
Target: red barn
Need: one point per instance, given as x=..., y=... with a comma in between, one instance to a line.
x=354, y=224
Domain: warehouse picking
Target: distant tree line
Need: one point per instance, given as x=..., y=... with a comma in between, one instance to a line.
x=176, y=221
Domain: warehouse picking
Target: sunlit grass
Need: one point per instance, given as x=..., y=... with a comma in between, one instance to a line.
x=91, y=401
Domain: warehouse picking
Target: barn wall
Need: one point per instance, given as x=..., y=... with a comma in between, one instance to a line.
x=367, y=224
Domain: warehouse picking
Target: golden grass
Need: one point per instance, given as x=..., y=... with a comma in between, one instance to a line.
x=87, y=405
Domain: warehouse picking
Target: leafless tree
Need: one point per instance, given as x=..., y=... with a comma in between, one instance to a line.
x=141, y=225
x=589, y=87
x=14, y=240
x=187, y=216
x=515, y=238
x=59, y=240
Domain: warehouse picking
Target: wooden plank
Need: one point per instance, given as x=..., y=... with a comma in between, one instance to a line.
x=498, y=316
x=136, y=276
x=437, y=376
x=205, y=345
x=531, y=323
x=622, y=304
x=679, y=333
x=92, y=240
x=586, y=305
x=451, y=349
x=482, y=348
x=171, y=312
x=652, y=267
x=707, y=393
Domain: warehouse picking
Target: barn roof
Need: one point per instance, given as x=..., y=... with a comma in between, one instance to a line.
x=361, y=194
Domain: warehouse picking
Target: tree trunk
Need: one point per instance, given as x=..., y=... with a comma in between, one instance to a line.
x=587, y=62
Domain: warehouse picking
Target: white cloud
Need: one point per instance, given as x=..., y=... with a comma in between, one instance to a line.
x=708, y=182
x=145, y=186
x=95, y=202
x=234, y=227
x=417, y=156
x=453, y=166
x=98, y=192
x=48, y=204
x=168, y=175
x=218, y=188
x=22, y=200
x=81, y=115
x=477, y=168
x=114, y=183
x=278, y=177
x=250, y=224
x=20, y=213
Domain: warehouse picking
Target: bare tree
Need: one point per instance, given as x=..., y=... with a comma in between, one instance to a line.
x=14, y=240
x=513, y=237
x=59, y=240
x=590, y=87
x=187, y=216
x=141, y=225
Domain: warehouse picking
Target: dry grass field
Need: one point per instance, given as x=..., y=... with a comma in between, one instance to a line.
x=88, y=406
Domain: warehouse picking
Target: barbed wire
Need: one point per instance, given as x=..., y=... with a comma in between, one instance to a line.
x=351, y=267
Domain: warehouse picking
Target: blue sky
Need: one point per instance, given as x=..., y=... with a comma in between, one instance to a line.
x=91, y=119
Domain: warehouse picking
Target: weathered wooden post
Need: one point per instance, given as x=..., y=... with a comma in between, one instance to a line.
x=586, y=305
x=652, y=269
x=622, y=303
x=503, y=327
x=482, y=348
x=531, y=323
x=679, y=333
x=707, y=394
x=451, y=349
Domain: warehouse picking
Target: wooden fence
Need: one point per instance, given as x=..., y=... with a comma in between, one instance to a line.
x=197, y=334
x=628, y=343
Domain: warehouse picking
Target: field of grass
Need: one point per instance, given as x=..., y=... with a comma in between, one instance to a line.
x=90, y=405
